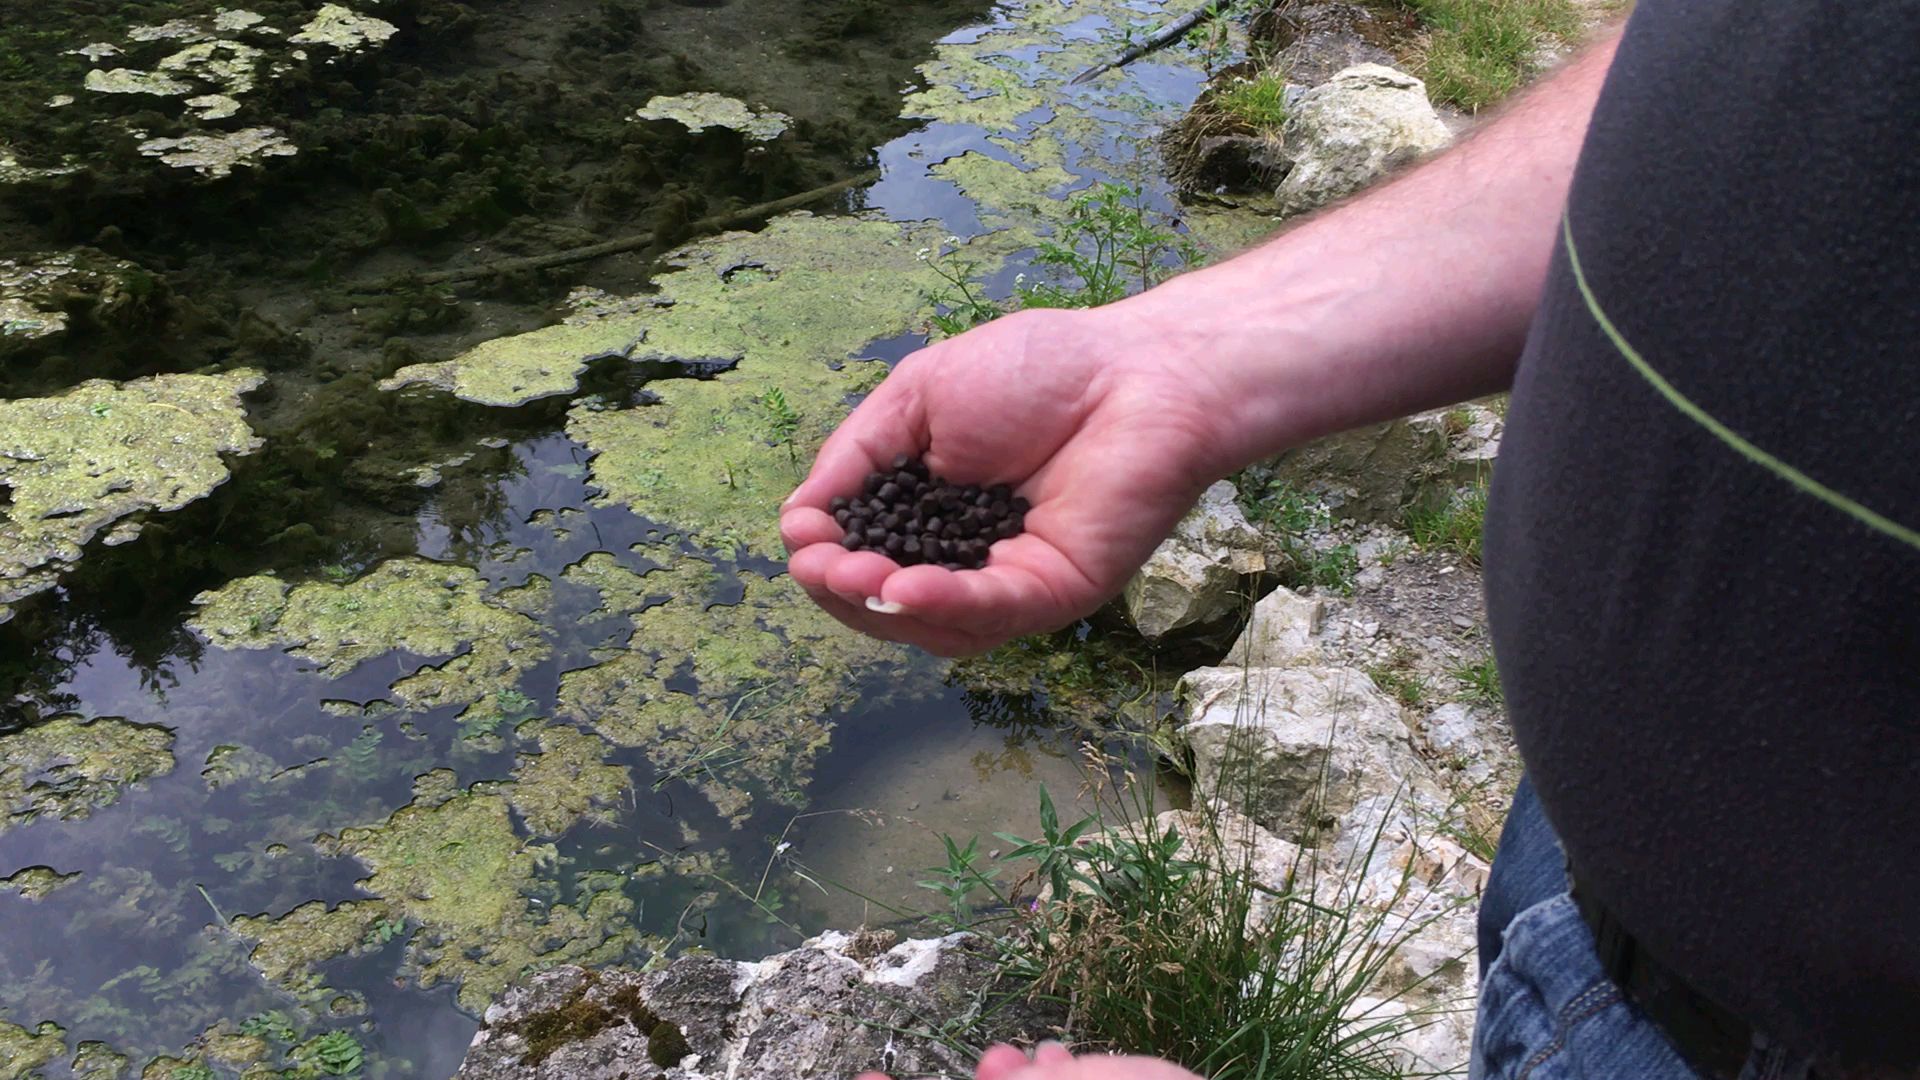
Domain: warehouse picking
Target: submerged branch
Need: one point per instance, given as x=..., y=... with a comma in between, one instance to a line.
x=641, y=241
x=1153, y=42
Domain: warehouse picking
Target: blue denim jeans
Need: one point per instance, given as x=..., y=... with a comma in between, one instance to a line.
x=1547, y=1009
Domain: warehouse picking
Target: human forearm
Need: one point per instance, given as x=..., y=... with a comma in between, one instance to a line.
x=1415, y=295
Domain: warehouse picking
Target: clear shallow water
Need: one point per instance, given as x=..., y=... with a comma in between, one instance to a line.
x=134, y=953
x=141, y=951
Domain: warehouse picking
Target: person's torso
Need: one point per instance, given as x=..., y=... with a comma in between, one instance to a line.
x=1703, y=569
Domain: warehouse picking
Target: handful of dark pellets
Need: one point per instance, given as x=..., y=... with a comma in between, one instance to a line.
x=912, y=517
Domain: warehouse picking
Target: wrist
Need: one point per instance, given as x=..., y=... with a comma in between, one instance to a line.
x=1261, y=353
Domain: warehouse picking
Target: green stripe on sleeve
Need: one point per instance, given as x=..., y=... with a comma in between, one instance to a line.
x=1865, y=515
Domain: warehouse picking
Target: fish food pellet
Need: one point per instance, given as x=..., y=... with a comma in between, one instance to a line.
x=913, y=517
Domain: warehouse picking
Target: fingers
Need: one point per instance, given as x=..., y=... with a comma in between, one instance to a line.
x=806, y=525
x=806, y=568
x=1051, y=1053
x=944, y=611
x=1000, y=1062
x=890, y=422
x=1003, y=1062
x=1027, y=587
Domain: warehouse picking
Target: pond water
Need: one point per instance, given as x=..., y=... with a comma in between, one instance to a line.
x=492, y=667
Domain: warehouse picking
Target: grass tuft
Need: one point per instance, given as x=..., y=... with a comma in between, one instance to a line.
x=1259, y=102
x=1457, y=526
x=1479, y=51
x=1481, y=680
x=1153, y=949
x=1397, y=676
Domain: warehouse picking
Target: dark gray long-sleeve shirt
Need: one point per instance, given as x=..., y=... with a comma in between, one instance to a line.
x=1703, y=564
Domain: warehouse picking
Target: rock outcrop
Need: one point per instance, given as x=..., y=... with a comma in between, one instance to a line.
x=1317, y=40
x=1198, y=574
x=838, y=1005
x=1321, y=761
x=1370, y=473
x=1352, y=129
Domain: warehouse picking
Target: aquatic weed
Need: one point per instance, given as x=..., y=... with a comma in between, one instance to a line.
x=782, y=422
x=1110, y=245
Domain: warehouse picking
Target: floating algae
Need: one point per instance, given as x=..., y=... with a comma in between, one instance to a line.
x=566, y=780
x=700, y=111
x=23, y=1052
x=129, y=81
x=426, y=608
x=218, y=155
x=76, y=463
x=452, y=865
x=41, y=297
x=94, y=1060
x=781, y=307
x=765, y=674
x=35, y=882
x=527, y=367
x=711, y=456
x=287, y=948
x=187, y=75
x=68, y=767
x=344, y=29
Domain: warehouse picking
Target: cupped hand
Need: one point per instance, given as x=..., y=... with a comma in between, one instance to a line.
x=1051, y=1061
x=1083, y=412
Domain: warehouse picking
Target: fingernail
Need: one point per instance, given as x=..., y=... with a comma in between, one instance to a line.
x=885, y=607
x=788, y=501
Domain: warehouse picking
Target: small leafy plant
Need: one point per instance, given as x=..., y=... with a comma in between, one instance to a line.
x=337, y=1053
x=960, y=878
x=782, y=422
x=1154, y=951
x=384, y=930
x=1481, y=679
x=1108, y=247
x=959, y=305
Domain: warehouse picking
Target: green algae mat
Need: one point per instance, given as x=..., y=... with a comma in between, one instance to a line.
x=310, y=816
